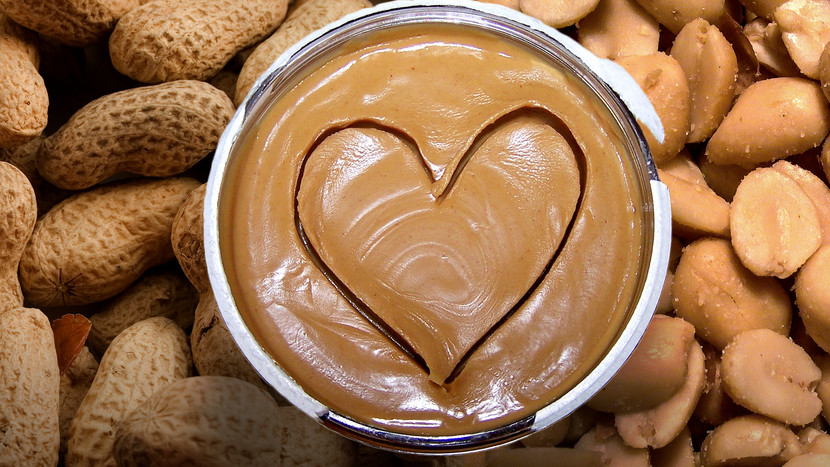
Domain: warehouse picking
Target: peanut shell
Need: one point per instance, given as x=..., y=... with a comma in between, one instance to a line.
x=18, y=213
x=29, y=388
x=24, y=101
x=142, y=360
x=166, y=40
x=78, y=23
x=75, y=382
x=311, y=15
x=95, y=244
x=162, y=292
x=155, y=131
x=214, y=350
x=208, y=421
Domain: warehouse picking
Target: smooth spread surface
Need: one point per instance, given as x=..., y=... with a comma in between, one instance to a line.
x=460, y=193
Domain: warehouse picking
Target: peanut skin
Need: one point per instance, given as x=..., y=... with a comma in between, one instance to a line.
x=199, y=37
x=95, y=244
x=155, y=131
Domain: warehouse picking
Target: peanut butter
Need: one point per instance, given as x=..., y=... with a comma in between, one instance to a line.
x=434, y=232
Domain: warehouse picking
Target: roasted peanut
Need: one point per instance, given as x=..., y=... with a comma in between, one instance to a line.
x=722, y=179
x=24, y=100
x=165, y=293
x=711, y=67
x=715, y=406
x=772, y=119
x=666, y=86
x=95, y=244
x=721, y=298
x=824, y=70
x=209, y=420
x=558, y=13
x=311, y=15
x=814, y=440
x=823, y=386
x=605, y=440
x=809, y=460
x=813, y=297
x=168, y=40
x=678, y=453
x=659, y=426
x=761, y=358
x=749, y=439
x=29, y=389
x=155, y=131
x=142, y=360
x=805, y=30
x=825, y=158
x=654, y=372
x=769, y=48
x=696, y=209
x=619, y=28
x=763, y=8
x=775, y=226
x=674, y=14
x=815, y=189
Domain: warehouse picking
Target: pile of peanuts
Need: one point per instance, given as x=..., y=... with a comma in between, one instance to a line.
x=113, y=351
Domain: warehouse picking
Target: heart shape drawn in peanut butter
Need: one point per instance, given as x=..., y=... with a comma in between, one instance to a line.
x=437, y=265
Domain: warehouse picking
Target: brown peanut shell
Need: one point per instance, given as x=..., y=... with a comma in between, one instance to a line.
x=95, y=244
x=303, y=19
x=29, y=386
x=24, y=102
x=162, y=292
x=18, y=213
x=142, y=360
x=166, y=40
x=155, y=131
x=208, y=420
x=77, y=23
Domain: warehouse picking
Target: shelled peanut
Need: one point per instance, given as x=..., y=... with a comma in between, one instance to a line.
x=741, y=353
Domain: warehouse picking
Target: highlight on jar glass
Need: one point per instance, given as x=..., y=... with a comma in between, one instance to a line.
x=436, y=226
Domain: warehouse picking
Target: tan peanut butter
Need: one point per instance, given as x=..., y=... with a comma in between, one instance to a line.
x=434, y=232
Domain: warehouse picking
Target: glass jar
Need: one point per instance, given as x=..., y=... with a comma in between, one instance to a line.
x=329, y=395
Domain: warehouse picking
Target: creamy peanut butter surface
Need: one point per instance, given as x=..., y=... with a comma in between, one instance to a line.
x=434, y=232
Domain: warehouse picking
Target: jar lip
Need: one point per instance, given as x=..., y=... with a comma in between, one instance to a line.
x=608, y=78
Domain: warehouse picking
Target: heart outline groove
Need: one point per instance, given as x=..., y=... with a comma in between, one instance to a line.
x=446, y=187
